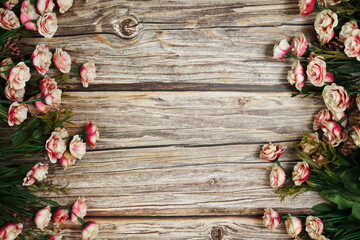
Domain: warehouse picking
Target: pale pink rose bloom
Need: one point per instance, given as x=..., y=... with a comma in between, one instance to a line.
x=64, y=5
x=320, y=117
x=328, y=3
x=9, y=4
x=60, y=215
x=55, y=237
x=299, y=45
x=324, y=24
x=47, y=84
x=41, y=59
x=47, y=25
x=316, y=72
x=310, y=143
x=92, y=134
x=306, y=7
x=8, y=19
x=347, y=28
x=79, y=209
x=314, y=227
x=296, y=75
x=336, y=98
x=355, y=135
x=10, y=231
x=17, y=113
x=55, y=147
x=42, y=218
x=53, y=98
x=67, y=160
x=352, y=45
x=293, y=226
x=271, y=152
x=62, y=132
x=28, y=13
x=90, y=231
x=45, y=6
x=333, y=133
x=62, y=60
x=339, y=116
x=281, y=49
x=36, y=173
x=87, y=73
x=277, y=177
x=6, y=61
x=18, y=76
x=271, y=218
x=13, y=94
x=301, y=173
x=77, y=147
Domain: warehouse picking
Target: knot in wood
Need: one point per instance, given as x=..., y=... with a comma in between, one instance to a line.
x=127, y=26
x=217, y=233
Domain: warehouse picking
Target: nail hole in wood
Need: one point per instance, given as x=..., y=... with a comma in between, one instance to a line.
x=217, y=233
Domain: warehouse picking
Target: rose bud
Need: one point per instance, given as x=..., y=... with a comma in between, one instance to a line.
x=17, y=113
x=41, y=59
x=47, y=25
x=352, y=45
x=92, y=134
x=42, y=218
x=67, y=160
x=18, y=76
x=60, y=215
x=28, y=14
x=79, y=209
x=333, y=133
x=296, y=75
x=281, y=49
x=336, y=98
x=293, y=226
x=347, y=29
x=320, y=117
x=87, y=73
x=10, y=231
x=271, y=219
x=6, y=61
x=316, y=72
x=8, y=19
x=62, y=60
x=299, y=45
x=64, y=5
x=14, y=95
x=314, y=227
x=36, y=173
x=45, y=6
x=324, y=24
x=77, y=147
x=310, y=143
x=355, y=135
x=55, y=237
x=9, y=4
x=55, y=147
x=271, y=152
x=301, y=173
x=306, y=7
x=277, y=177
x=90, y=231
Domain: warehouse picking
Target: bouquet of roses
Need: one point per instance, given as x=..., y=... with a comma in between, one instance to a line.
x=330, y=157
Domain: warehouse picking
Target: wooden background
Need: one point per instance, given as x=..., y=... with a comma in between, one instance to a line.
x=187, y=92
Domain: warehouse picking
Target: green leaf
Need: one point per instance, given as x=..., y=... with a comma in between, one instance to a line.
x=342, y=202
x=323, y=208
x=351, y=179
x=355, y=213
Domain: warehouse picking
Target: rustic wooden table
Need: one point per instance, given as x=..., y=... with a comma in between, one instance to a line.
x=187, y=92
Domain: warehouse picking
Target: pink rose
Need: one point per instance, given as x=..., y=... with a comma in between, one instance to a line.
x=67, y=160
x=40, y=105
x=347, y=29
x=320, y=117
x=333, y=133
x=339, y=116
x=271, y=219
x=293, y=226
x=310, y=143
x=53, y=97
x=9, y=4
x=36, y=173
x=10, y=231
x=301, y=173
x=41, y=59
x=60, y=215
x=355, y=135
x=19, y=75
x=17, y=113
x=92, y=133
x=13, y=94
x=90, y=231
x=55, y=237
x=281, y=49
x=87, y=73
x=55, y=147
x=271, y=152
x=42, y=218
x=314, y=227
x=299, y=45
x=28, y=13
x=324, y=24
x=47, y=84
x=296, y=75
x=45, y=6
x=79, y=209
x=316, y=72
x=62, y=132
x=6, y=61
x=336, y=98
x=8, y=19
x=64, y=5
x=306, y=7
x=277, y=177
x=47, y=25
x=352, y=45
x=77, y=147
x=62, y=60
